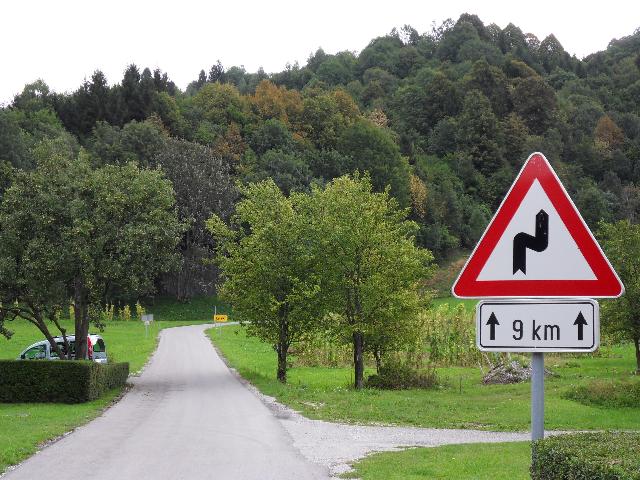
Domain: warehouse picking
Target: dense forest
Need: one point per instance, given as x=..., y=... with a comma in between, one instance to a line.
x=444, y=119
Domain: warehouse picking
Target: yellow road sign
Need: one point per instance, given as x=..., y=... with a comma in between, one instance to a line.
x=220, y=318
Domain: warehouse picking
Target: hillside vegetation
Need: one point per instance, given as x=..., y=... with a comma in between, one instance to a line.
x=444, y=118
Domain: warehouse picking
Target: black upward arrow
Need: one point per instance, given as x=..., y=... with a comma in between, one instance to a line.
x=492, y=322
x=522, y=241
x=580, y=322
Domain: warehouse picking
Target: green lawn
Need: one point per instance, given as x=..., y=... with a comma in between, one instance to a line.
x=497, y=461
x=23, y=427
x=126, y=341
x=462, y=402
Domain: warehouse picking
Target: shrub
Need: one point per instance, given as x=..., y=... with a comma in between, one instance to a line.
x=608, y=394
x=58, y=381
x=125, y=313
x=399, y=376
x=587, y=456
x=108, y=313
x=140, y=310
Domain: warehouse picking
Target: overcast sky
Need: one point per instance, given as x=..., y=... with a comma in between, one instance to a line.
x=64, y=41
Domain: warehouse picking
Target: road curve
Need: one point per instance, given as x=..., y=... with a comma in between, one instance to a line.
x=186, y=417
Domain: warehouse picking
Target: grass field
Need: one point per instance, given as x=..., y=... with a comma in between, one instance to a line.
x=461, y=402
x=23, y=427
x=470, y=305
x=126, y=341
x=497, y=461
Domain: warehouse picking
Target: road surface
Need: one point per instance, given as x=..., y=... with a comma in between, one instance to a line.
x=187, y=417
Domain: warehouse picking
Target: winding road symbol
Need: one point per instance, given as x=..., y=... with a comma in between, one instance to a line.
x=537, y=243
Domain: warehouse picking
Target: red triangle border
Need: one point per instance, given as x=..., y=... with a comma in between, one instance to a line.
x=607, y=283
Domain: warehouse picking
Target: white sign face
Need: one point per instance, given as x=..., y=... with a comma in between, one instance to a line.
x=538, y=326
x=560, y=259
x=537, y=246
x=147, y=318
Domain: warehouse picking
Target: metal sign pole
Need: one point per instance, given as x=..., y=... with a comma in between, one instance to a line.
x=537, y=396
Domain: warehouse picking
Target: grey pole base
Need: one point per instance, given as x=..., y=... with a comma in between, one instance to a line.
x=537, y=396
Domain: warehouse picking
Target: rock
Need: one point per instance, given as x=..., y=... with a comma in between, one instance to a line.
x=513, y=372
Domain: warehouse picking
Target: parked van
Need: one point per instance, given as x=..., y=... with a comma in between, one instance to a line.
x=96, y=349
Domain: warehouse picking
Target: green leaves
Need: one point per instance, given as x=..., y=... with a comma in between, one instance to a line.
x=112, y=229
x=341, y=258
x=621, y=243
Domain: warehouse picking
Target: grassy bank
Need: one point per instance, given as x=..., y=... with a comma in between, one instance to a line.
x=462, y=462
x=461, y=402
x=25, y=426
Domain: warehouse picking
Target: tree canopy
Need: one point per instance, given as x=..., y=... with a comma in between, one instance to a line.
x=458, y=107
x=90, y=235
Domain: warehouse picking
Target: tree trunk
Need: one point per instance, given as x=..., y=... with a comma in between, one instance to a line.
x=283, y=349
x=65, y=341
x=637, y=343
x=358, y=359
x=282, y=363
x=377, y=354
x=80, y=304
x=52, y=343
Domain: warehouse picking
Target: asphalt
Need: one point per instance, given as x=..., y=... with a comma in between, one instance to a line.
x=186, y=417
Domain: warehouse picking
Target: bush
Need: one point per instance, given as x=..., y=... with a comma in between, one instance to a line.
x=399, y=376
x=587, y=456
x=58, y=381
x=608, y=394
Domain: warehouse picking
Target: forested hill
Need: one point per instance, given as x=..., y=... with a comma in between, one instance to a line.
x=445, y=118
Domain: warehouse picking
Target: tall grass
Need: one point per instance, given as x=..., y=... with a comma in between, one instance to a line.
x=444, y=336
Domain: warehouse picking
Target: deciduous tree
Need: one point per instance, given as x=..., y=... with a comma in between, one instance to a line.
x=67, y=230
x=203, y=186
x=621, y=242
x=268, y=268
x=371, y=270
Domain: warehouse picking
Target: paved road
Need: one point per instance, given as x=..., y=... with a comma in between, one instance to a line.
x=187, y=417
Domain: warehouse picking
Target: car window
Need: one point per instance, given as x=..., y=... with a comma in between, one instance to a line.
x=36, y=353
x=54, y=354
x=99, y=346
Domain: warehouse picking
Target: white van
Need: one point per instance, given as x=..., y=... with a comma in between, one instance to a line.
x=42, y=350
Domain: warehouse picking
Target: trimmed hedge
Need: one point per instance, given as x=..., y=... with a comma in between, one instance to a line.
x=587, y=456
x=59, y=381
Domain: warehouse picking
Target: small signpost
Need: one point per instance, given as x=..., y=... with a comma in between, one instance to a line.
x=146, y=319
x=217, y=319
x=539, y=253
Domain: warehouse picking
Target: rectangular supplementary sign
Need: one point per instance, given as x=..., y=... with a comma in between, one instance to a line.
x=538, y=326
x=220, y=318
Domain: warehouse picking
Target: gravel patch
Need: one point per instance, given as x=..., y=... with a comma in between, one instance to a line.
x=338, y=445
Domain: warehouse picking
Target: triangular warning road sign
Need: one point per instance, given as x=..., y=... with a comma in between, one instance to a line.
x=537, y=245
